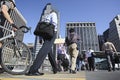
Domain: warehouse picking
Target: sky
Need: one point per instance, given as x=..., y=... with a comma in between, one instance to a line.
x=101, y=12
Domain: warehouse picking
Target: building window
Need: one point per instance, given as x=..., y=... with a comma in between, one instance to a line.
x=87, y=24
x=93, y=24
x=84, y=24
x=67, y=24
x=74, y=24
x=90, y=24
x=81, y=24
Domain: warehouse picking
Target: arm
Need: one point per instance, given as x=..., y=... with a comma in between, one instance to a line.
x=5, y=9
x=114, y=49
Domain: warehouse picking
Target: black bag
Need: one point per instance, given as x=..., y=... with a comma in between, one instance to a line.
x=45, y=30
x=117, y=59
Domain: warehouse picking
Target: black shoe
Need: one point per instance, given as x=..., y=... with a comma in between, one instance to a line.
x=1, y=70
x=34, y=74
x=109, y=70
x=54, y=71
x=73, y=72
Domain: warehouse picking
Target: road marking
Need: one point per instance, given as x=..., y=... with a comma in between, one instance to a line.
x=45, y=79
x=11, y=79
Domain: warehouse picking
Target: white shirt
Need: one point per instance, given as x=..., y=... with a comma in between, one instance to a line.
x=89, y=53
x=52, y=18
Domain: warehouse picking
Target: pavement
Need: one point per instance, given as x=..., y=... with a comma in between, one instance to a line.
x=81, y=75
x=47, y=76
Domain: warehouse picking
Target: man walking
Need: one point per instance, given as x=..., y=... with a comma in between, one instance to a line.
x=45, y=49
x=109, y=50
x=71, y=41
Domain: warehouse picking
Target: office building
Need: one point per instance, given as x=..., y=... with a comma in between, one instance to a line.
x=114, y=32
x=87, y=33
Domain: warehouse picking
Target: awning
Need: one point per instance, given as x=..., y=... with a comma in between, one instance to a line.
x=59, y=41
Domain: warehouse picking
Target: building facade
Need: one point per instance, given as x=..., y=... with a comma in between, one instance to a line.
x=114, y=32
x=87, y=33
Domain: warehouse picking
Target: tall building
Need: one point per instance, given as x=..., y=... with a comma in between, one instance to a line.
x=87, y=33
x=114, y=32
x=101, y=41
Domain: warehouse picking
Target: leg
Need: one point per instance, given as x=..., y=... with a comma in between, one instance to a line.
x=89, y=63
x=46, y=48
x=113, y=62
x=109, y=63
x=53, y=62
x=74, y=56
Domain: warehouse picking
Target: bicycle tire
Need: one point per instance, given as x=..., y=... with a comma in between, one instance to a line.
x=14, y=62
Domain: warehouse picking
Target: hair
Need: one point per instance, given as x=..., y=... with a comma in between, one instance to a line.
x=72, y=30
x=106, y=40
x=53, y=11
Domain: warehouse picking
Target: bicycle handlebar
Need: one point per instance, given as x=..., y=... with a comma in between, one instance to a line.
x=26, y=29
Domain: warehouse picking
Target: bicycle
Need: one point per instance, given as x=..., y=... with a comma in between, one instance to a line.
x=16, y=56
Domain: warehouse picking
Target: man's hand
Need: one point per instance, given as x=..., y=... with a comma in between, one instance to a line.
x=14, y=27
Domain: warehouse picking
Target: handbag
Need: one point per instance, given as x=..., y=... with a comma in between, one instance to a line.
x=45, y=30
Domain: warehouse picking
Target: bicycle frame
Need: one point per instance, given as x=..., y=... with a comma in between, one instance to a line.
x=8, y=36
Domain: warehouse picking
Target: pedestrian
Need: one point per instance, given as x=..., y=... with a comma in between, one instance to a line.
x=110, y=50
x=71, y=41
x=45, y=49
x=60, y=56
x=90, y=59
x=79, y=61
x=63, y=58
x=5, y=7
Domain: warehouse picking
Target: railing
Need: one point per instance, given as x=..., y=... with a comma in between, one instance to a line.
x=101, y=54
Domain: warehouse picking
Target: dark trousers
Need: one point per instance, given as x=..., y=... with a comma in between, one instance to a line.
x=46, y=49
x=91, y=63
x=0, y=56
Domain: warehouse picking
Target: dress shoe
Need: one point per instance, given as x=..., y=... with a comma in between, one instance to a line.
x=1, y=70
x=54, y=71
x=72, y=71
x=34, y=74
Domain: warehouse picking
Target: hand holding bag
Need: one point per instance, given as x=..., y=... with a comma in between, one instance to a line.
x=45, y=30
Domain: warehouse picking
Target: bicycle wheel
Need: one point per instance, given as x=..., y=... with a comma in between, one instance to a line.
x=16, y=58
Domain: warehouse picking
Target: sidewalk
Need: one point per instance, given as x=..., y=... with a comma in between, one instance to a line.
x=48, y=76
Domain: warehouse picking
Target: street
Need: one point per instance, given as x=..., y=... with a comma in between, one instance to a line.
x=81, y=75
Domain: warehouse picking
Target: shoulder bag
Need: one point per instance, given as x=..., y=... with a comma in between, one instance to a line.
x=45, y=30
